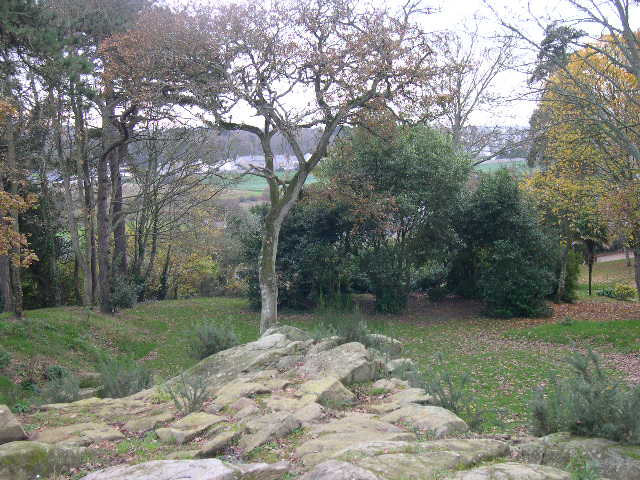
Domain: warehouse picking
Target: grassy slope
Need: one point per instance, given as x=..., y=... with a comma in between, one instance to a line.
x=506, y=358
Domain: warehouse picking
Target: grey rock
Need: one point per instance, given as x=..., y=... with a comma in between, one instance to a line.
x=209, y=469
x=294, y=334
x=512, y=471
x=336, y=470
x=350, y=363
x=26, y=460
x=615, y=461
x=437, y=421
x=10, y=428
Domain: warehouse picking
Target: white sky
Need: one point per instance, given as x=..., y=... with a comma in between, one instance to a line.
x=456, y=15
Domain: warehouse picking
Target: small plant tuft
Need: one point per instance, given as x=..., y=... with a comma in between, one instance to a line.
x=210, y=338
x=61, y=389
x=455, y=393
x=122, y=377
x=5, y=358
x=619, y=291
x=188, y=393
x=54, y=372
x=589, y=403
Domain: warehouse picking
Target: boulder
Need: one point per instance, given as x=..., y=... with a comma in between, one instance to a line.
x=79, y=434
x=387, y=345
x=209, y=469
x=469, y=451
x=328, y=391
x=390, y=384
x=349, y=363
x=615, y=461
x=28, y=460
x=217, y=443
x=512, y=471
x=189, y=427
x=309, y=414
x=406, y=466
x=266, y=428
x=335, y=470
x=400, y=366
x=294, y=334
x=149, y=422
x=10, y=428
x=233, y=391
x=401, y=399
x=333, y=437
x=436, y=421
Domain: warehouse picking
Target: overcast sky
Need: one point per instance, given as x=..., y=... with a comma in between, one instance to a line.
x=458, y=15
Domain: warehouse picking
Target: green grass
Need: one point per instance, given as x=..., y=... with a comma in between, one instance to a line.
x=504, y=369
x=621, y=336
x=252, y=183
x=605, y=275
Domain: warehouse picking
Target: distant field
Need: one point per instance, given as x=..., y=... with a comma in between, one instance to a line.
x=518, y=165
x=251, y=183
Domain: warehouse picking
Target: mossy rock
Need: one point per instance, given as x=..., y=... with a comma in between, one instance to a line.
x=26, y=460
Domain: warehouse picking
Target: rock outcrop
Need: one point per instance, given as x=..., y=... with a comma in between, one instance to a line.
x=10, y=429
x=288, y=397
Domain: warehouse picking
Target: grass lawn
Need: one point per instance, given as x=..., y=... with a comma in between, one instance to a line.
x=506, y=359
x=606, y=274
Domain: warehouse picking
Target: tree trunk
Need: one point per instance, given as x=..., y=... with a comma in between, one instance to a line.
x=117, y=216
x=267, y=275
x=15, y=280
x=636, y=263
x=103, y=220
x=590, y=272
x=627, y=256
x=562, y=278
x=5, y=284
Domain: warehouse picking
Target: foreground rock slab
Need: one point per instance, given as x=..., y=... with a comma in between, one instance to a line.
x=10, y=428
x=615, y=461
x=79, y=435
x=436, y=421
x=187, y=428
x=28, y=460
x=513, y=471
x=335, y=470
x=350, y=363
x=210, y=469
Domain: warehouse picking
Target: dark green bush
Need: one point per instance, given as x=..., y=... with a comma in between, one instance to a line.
x=61, y=389
x=124, y=293
x=5, y=358
x=56, y=371
x=437, y=293
x=590, y=403
x=619, y=291
x=209, y=338
x=508, y=260
x=122, y=376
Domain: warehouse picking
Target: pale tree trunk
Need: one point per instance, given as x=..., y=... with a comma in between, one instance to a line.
x=15, y=280
x=636, y=263
x=562, y=278
x=267, y=274
x=119, y=264
x=5, y=284
x=102, y=204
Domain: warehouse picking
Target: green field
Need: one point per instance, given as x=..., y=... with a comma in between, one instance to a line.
x=252, y=183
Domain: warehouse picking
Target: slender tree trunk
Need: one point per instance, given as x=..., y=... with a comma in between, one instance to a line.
x=627, y=256
x=562, y=278
x=164, y=278
x=268, y=276
x=15, y=280
x=102, y=204
x=5, y=284
x=591, y=258
x=117, y=216
x=636, y=263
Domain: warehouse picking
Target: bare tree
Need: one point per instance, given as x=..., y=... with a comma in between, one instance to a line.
x=287, y=65
x=599, y=90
